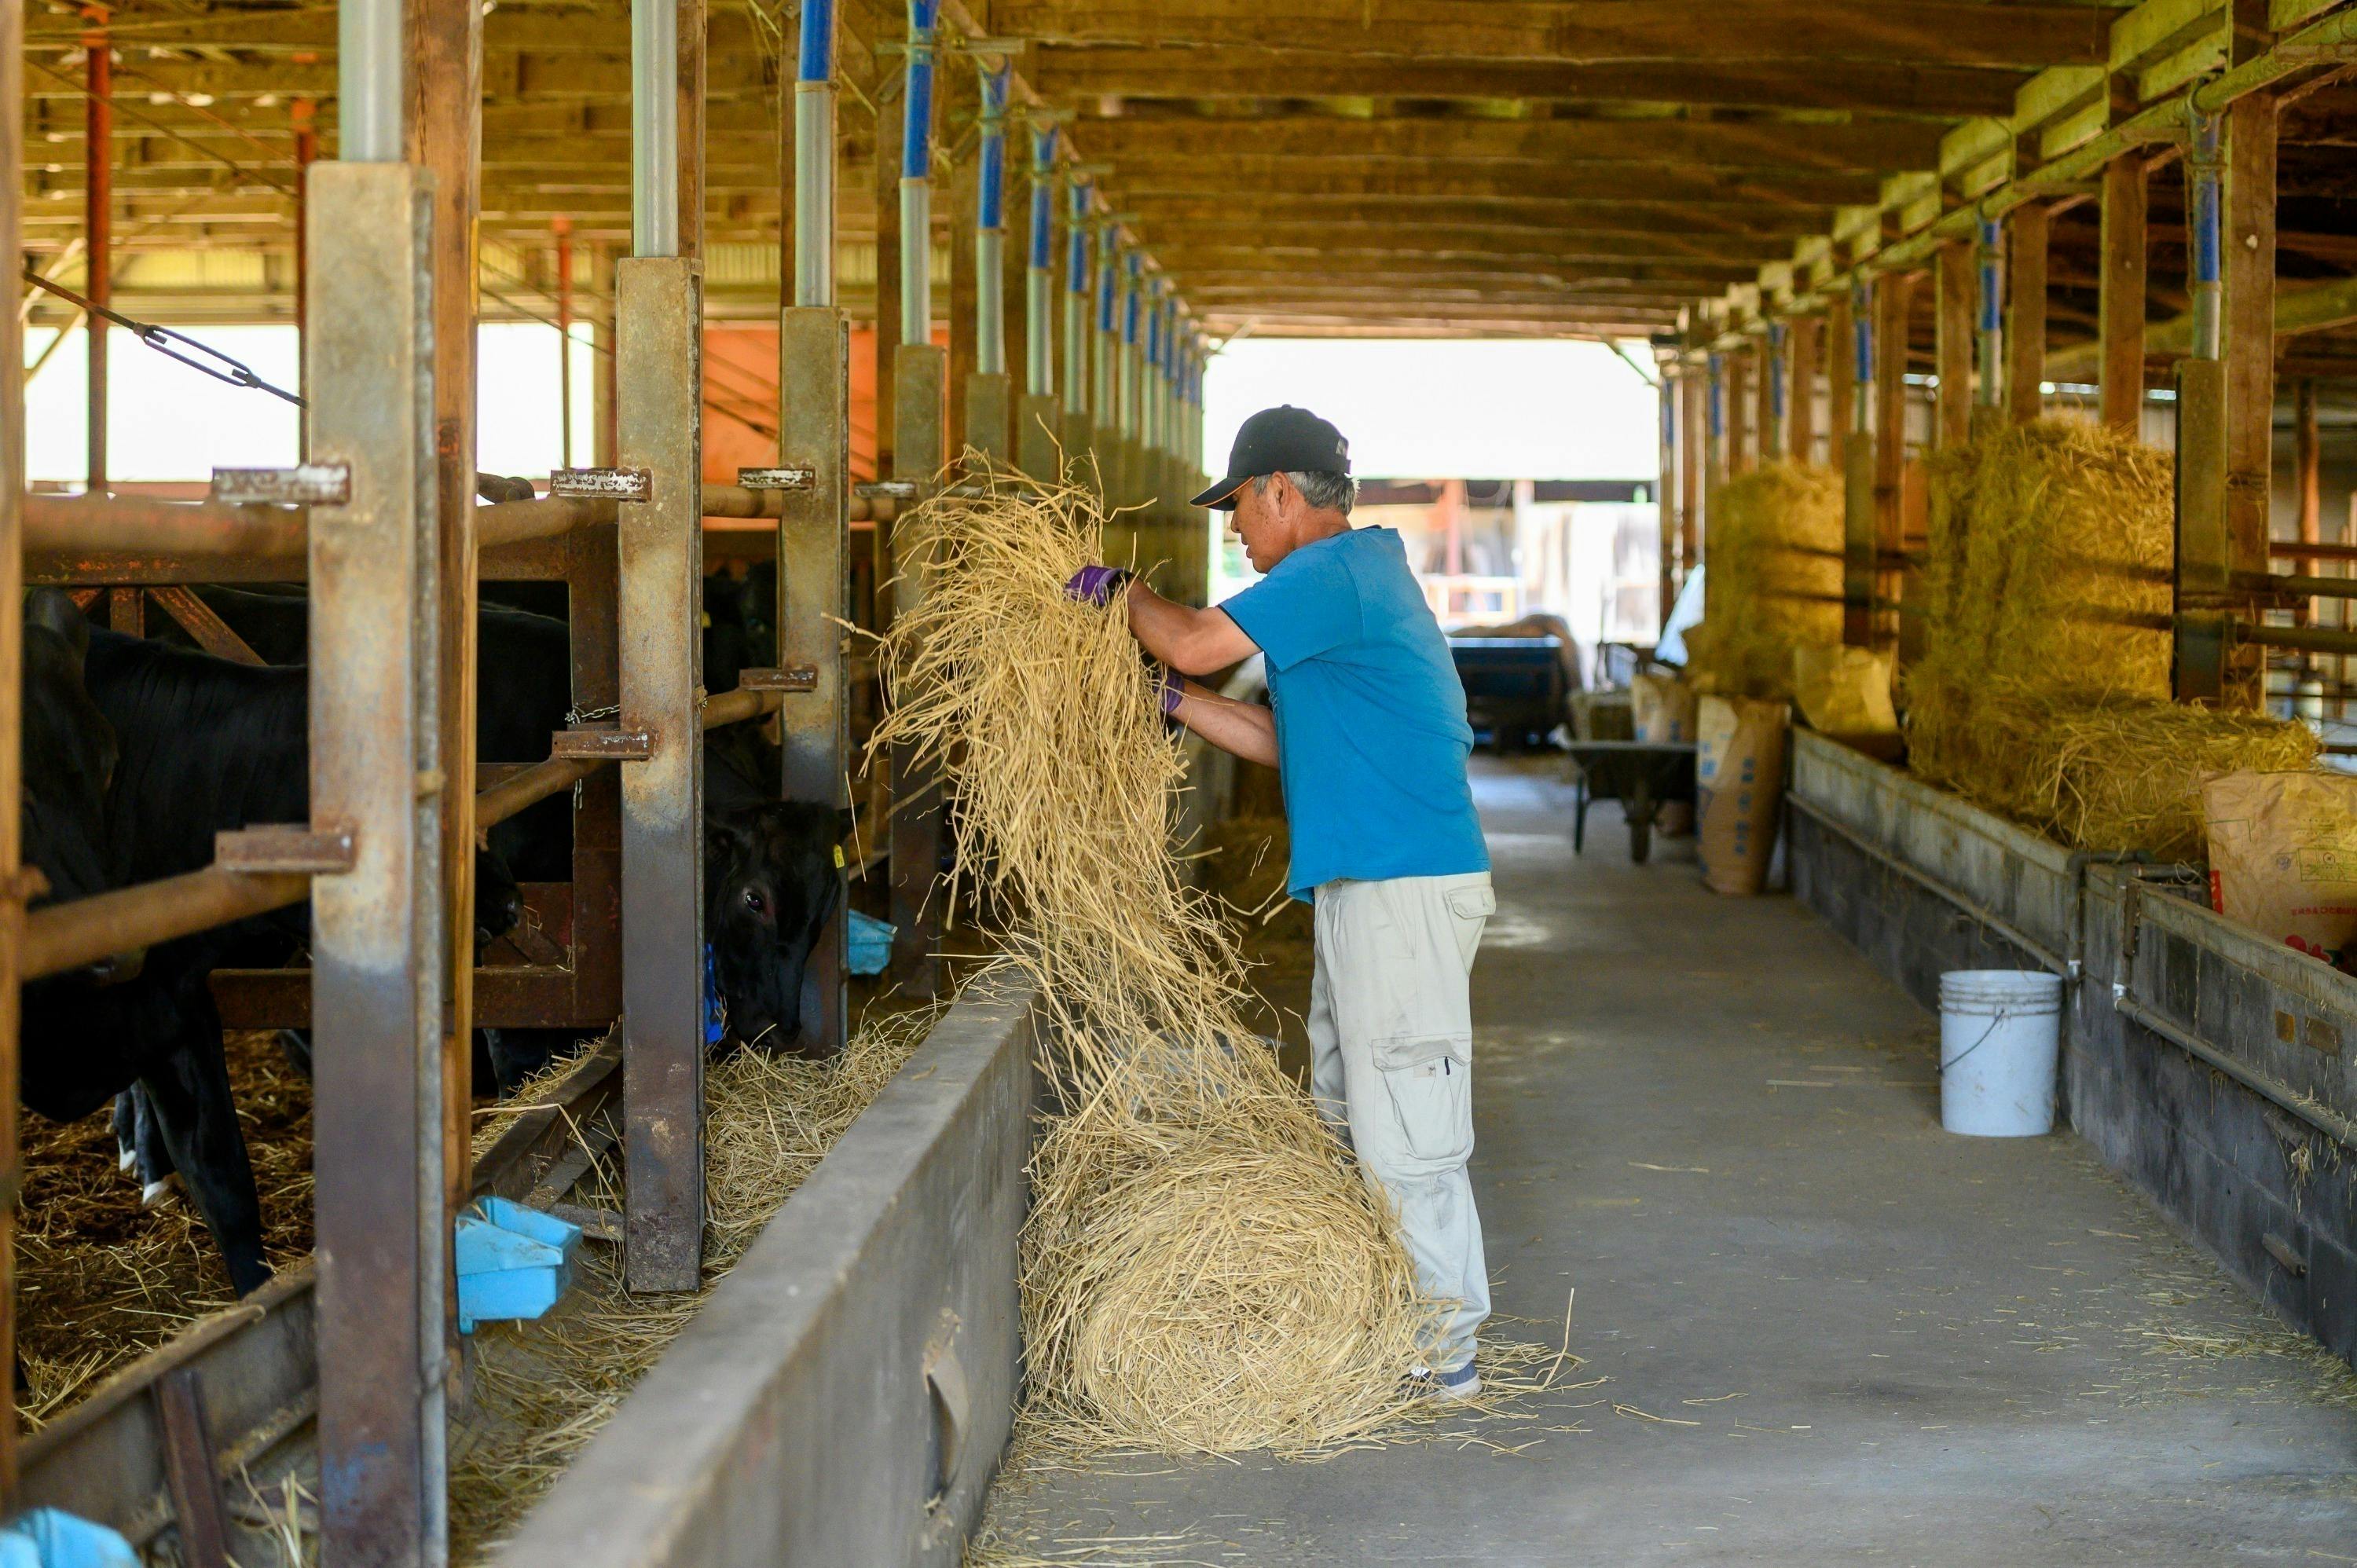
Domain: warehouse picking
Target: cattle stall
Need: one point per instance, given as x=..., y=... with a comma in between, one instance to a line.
x=356, y=1357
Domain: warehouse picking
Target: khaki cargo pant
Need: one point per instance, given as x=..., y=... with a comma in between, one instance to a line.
x=1391, y=1040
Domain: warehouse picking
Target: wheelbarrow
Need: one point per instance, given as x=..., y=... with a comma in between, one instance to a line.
x=1643, y=775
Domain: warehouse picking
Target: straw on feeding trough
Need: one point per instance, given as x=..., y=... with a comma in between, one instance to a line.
x=1203, y=1270
x=1775, y=579
x=540, y=1391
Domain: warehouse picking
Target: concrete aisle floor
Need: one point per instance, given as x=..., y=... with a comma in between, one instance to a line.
x=1871, y=1341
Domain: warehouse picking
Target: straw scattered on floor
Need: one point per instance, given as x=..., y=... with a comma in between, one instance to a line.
x=1203, y=1268
x=100, y=1281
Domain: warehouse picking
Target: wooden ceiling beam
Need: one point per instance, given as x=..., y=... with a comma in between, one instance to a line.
x=1868, y=144
x=2027, y=36
x=1167, y=216
x=1406, y=237
x=1135, y=178
x=1180, y=260
x=1939, y=92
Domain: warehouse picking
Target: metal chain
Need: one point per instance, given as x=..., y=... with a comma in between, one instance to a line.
x=236, y=372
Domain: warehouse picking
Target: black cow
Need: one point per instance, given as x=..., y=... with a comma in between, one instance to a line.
x=94, y=1033
x=770, y=878
x=206, y=746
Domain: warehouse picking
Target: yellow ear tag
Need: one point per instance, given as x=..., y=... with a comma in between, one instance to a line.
x=838, y=858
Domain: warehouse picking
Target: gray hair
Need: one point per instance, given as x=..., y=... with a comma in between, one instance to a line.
x=1321, y=491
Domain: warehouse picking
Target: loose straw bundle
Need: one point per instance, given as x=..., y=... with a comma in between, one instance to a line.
x=1775, y=579
x=1203, y=1270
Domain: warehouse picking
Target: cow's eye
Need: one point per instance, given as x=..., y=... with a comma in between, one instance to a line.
x=755, y=902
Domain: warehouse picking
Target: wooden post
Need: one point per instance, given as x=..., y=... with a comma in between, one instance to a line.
x=2024, y=340
x=1693, y=443
x=603, y=398
x=444, y=132
x=1801, y=394
x=98, y=224
x=1840, y=385
x=695, y=26
x=12, y=578
x=2249, y=346
x=1665, y=495
x=562, y=227
x=1955, y=291
x=2306, y=468
x=1738, y=412
x=1894, y=294
x=303, y=116
x=1767, y=423
x=2121, y=327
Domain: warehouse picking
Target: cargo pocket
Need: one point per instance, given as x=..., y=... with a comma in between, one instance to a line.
x=1429, y=1083
x=1473, y=903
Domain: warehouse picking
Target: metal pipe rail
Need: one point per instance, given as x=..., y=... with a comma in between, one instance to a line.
x=69, y=936
x=65, y=533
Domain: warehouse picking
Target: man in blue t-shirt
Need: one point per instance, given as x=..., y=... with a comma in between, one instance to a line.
x=1368, y=731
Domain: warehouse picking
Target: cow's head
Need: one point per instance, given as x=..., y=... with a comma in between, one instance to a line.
x=770, y=881
x=68, y=758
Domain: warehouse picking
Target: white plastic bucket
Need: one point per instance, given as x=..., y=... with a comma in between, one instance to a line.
x=2000, y=1031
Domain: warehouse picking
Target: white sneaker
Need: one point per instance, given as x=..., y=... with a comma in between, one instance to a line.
x=1462, y=1383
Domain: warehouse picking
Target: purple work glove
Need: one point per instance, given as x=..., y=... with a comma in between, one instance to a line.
x=1096, y=583
x=1173, y=689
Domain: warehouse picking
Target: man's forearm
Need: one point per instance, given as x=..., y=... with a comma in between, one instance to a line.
x=1191, y=641
x=1242, y=729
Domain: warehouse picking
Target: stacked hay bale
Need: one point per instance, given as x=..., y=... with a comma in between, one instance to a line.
x=2043, y=690
x=1775, y=579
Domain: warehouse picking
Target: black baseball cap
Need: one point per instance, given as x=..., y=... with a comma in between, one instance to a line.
x=1283, y=440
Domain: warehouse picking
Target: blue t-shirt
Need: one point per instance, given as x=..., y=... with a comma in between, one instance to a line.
x=1371, y=731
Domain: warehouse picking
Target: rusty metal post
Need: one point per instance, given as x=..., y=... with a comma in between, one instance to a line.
x=813, y=522
x=445, y=137
x=660, y=305
x=98, y=224
x=919, y=383
x=1077, y=428
x=378, y=938
x=658, y=354
x=1037, y=413
x=987, y=388
x=1104, y=444
x=12, y=577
